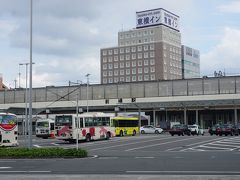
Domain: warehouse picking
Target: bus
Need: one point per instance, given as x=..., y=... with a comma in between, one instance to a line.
x=86, y=126
x=45, y=128
x=8, y=129
x=126, y=125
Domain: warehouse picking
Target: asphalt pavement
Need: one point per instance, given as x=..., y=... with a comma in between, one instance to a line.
x=143, y=156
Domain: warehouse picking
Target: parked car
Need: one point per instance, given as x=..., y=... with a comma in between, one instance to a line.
x=180, y=129
x=196, y=129
x=215, y=129
x=148, y=129
x=228, y=129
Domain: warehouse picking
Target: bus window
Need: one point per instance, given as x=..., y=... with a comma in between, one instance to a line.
x=88, y=121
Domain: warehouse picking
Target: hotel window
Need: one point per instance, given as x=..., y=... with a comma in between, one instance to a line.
x=105, y=66
x=133, y=34
x=127, y=64
x=104, y=59
x=152, y=54
x=152, y=61
x=128, y=50
x=109, y=66
x=115, y=51
x=116, y=73
x=134, y=64
x=110, y=80
x=115, y=65
x=133, y=49
x=145, y=62
x=127, y=71
x=151, y=31
x=122, y=50
x=121, y=57
x=139, y=55
x=134, y=71
x=145, y=40
x=121, y=79
x=145, y=33
x=146, y=77
x=139, y=78
x=152, y=76
x=151, y=46
x=104, y=53
x=152, y=69
x=104, y=73
x=133, y=78
x=110, y=59
x=139, y=48
x=122, y=65
x=146, y=55
x=116, y=79
x=127, y=57
x=139, y=70
x=115, y=58
x=121, y=36
x=133, y=56
x=104, y=80
x=139, y=33
x=146, y=70
x=139, y=63
x=109, y=52
x=127, y=79
x=122, y=72
x=110, y=73
x=145, y=47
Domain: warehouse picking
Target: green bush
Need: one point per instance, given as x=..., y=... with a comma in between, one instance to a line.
x=42, y=153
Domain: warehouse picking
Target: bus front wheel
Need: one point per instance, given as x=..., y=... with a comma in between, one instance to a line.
x=108, y=135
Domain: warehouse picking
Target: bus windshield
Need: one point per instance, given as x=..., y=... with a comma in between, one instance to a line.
x=43, y=124
x=63, y=120
x=8, y=119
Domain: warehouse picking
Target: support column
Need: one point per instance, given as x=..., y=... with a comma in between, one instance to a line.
x=139, y=118
x=185, y=115
x=235, y=116
x=197, y=117
x=154, y=117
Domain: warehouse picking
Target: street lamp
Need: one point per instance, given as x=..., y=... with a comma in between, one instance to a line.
x=87, y=75
x=26, y=100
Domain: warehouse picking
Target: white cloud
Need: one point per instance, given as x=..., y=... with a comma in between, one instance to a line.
x=225, y=55
x=232, y=7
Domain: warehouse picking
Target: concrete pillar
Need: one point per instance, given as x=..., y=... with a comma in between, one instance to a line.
x=139, y=118
x=235, y=116
x=197, y=117
x=185, y=115
x=154, y=117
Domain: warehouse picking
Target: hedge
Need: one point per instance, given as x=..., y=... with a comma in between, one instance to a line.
x=42, y=153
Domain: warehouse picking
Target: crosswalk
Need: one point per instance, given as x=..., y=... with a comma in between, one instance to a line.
x=223, y=144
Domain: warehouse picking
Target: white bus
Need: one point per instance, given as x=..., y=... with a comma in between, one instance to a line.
x=88, y=126
x=45, y=128
x=8, y=129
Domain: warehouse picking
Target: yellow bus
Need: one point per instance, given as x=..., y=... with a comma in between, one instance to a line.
x=125, y=125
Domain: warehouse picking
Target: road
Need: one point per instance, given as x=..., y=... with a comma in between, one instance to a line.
x=149, y=156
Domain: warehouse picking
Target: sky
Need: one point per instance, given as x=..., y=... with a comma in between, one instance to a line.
x=68, y=35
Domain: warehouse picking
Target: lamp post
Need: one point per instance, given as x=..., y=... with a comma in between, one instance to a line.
x=26, y=100
x=30, y=81
x=87, y=75
x=19, y=74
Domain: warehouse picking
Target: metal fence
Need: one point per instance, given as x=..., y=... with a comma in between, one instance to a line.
x=190, y=87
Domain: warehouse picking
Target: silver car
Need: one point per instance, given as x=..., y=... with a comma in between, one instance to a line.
x=148, y=129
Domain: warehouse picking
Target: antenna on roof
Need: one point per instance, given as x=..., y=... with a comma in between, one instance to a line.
x=122, y=27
